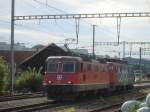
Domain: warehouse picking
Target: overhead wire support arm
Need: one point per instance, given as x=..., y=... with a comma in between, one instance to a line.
x=120, y=43
x=74, y=16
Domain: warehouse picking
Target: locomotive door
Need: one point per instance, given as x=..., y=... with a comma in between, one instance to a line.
x=59, y=75
x=112, y=73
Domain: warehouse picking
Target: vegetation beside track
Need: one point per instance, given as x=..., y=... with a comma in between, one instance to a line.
x=3, y=76
x=29, y=80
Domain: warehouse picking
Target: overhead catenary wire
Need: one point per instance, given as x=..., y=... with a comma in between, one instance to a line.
x=52, y=7
x=49, y=6
x=100, y=15
x=32, y=27
x=96, y=43
x=62, y=11
x=119, y=20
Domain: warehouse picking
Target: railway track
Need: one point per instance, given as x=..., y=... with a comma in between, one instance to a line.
x=51, y=105
x=20, y=96
x=113, y=107
x=34, y=107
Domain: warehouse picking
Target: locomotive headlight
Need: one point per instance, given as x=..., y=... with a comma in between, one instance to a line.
x=49, y=82
x=44, y=83
x=69, y=82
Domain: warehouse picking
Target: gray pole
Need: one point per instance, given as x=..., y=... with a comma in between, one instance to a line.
x=130, y=50
x=140, y=60
x=140, y=50
x=93, y=41
x=12, y=48
x=123, y=49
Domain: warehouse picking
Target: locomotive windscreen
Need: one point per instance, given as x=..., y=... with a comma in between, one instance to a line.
x=62, y=65
x=52, y=67
x=68, y=67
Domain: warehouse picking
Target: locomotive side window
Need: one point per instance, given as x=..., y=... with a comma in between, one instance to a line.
x=100, y=68
x=77, y=67
x=96, y=68
x=111, y=68
x=120, y=68
x=68, y=67
x=52, y=67
x=105, y=69
x=116, y=68
x=88, y=67
x=81, y=69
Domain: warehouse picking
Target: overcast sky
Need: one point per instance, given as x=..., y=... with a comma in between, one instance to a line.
x=47, y=31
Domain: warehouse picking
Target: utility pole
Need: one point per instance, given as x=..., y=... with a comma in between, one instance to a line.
x=12, y=48
x=140, y=50
x=123, y=49
x=119, y=54
x=130, y=50
x=93, y=41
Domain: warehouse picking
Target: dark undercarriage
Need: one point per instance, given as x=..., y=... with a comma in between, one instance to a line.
x=71, y=92
x=60, y=92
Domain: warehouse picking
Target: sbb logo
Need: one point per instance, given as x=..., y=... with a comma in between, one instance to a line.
x=59, y=77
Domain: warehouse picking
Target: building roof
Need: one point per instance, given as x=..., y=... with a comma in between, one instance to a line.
x=17, y=47
x=19, y=56
x=38, y=59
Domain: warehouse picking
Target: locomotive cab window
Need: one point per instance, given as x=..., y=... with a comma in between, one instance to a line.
x=52, y=67
x=68, y=67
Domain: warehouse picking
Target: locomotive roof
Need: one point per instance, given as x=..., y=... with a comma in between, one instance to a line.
x=117, y=61
x=110, y=60
x=102, y=60
x=65, y=57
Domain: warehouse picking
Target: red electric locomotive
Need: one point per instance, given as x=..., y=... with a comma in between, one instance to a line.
x=69, y=76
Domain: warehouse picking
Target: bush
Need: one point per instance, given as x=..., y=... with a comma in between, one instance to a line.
x=144, y=109
x=136, y=106
x=148, y=100
x=3, y=76
x=130, y=106
x=29, y=80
